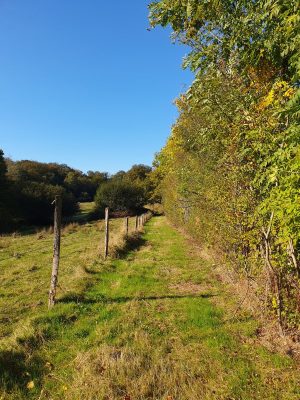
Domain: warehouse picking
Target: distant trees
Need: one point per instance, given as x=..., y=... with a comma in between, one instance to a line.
x=140, y=175
x=29, y=187
x=32, y=202
x=119, y=196
x=82, y=186
x=5, y=217
x=125, y=191
x=3, y=170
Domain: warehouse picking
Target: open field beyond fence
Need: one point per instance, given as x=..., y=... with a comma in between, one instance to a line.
x=26, y=262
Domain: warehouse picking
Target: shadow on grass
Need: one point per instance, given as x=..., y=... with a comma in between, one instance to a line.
x=132, y=242
x=17, y=369
x=81, y=298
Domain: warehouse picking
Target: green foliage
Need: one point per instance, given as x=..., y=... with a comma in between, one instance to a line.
x=33, y=202
x=253, y=32
x=140, y=175
x=230, y=170
x=5, y=215
x=82, y=186
x=119, y=195
x=3, y=170
x=29, y=187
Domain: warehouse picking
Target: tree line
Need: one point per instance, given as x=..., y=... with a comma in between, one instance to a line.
x=230, y=170
x=29, y=187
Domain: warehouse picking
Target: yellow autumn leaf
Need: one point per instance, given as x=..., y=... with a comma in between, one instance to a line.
x=289, y=93
x=30, y=385
x=267, y=100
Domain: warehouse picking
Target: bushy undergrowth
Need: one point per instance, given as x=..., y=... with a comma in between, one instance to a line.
x=229, y=172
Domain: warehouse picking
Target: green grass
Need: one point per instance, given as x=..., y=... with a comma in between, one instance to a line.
x=146, y=326
x=84, y=213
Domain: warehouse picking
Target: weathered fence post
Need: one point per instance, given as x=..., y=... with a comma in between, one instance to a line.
x=56, y=250
x=126, y=226
x=106, y=232
x=136, y=223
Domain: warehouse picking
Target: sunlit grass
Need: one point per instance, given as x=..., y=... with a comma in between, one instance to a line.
x=26, y=262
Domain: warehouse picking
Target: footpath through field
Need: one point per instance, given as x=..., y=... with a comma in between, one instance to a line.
x=150, y=327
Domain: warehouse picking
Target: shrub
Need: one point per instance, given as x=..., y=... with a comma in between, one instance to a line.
x=34, y=202
x=119, y=196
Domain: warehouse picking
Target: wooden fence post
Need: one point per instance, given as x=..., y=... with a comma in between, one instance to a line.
x=56, y=250
x=136, y=223
x=126, y=226
x=106, y=232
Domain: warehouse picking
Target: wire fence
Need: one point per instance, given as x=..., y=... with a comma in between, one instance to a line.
x=17, y=252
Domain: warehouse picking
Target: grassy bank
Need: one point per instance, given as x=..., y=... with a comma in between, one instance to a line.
x=145, y=326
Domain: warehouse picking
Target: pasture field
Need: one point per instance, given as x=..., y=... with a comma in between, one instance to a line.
x=151, y=324
x=26, y=262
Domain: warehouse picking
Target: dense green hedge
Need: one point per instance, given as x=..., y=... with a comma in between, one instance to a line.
x=230, y=170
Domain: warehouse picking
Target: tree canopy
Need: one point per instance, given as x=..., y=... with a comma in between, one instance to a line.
x=29, y=187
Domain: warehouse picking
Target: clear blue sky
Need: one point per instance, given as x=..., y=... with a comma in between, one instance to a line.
x=84, y=83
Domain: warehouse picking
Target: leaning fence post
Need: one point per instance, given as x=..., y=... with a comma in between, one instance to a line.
x=56, y=250
x=106, y=232
x=126, y=225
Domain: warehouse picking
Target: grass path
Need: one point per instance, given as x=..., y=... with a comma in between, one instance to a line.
x=147, y=328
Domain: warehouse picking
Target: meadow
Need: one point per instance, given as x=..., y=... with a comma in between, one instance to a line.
x=26, y=262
